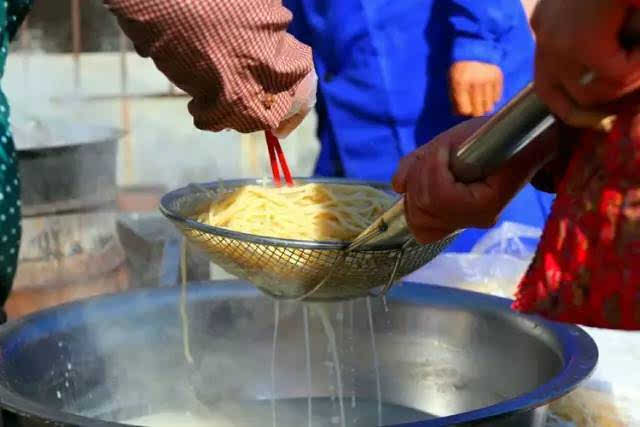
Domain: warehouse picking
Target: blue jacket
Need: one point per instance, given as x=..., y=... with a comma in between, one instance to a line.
x=383, y=67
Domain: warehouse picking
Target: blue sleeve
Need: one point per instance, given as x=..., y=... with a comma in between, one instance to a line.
x=296, y=27
x=478, y=27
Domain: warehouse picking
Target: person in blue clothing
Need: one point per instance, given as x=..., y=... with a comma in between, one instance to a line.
x=393, y=75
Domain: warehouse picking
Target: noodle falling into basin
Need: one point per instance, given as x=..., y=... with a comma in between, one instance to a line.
x=314, y=212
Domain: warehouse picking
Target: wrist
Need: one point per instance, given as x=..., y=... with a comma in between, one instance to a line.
x=304, y=95
x=467, y=49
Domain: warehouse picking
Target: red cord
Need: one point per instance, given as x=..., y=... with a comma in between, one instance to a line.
x=275, y=149
x=272, y=158
x=283, y=163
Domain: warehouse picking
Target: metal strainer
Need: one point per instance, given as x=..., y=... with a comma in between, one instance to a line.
x=384, y=252
x=285, y=268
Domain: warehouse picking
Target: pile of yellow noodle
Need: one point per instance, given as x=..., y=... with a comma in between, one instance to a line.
x=318, y=212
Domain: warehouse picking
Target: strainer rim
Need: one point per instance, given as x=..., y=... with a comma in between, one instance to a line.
x=167, y=201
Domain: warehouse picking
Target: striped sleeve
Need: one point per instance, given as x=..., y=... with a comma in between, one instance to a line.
x=234, y=58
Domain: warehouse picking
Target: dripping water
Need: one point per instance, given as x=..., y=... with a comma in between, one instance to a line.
x=276, y=311
x=375, y=361
x=331, y=337
x=307, y=345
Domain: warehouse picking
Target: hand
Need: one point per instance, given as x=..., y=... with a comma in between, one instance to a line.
x=575, y=37
x=436, y=204
x=303, y=101
x=475, y=87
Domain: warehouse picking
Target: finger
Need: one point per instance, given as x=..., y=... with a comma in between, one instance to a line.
x=399, y=180
x=477, y=99
x=461, y=99
x=289, y=125
x=423, y=176
x=616, y=64
x=536, y=17
x=440, y=195
x=599, y=91
x=548, y=86
x=488, y=96
x=498, y=85
x=424, y=226
x=505, y=183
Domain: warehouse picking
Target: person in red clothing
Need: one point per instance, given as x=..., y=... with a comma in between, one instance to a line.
x=575, y=38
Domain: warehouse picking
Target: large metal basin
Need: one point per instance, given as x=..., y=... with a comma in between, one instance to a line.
x=452, y=357
x=66, y=166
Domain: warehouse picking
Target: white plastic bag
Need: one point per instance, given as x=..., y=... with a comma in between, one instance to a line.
x=495, y=265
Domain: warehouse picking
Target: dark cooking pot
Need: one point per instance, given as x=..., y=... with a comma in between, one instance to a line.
x=66, y=167
x=446, y=357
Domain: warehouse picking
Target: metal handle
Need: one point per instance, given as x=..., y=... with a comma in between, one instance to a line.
x=512, y=128
x=390, y=229
x=502, y=137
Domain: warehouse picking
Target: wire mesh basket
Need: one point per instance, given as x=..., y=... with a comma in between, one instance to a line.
x=293, y=269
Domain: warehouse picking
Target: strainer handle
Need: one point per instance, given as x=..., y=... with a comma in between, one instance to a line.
x=503, y=136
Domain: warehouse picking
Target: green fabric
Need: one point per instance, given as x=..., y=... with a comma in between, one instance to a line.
x=12, y=13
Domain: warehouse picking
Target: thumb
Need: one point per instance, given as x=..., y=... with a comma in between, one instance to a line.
x=303, y=101
x=451, y=138
x=399, y=181
x=288, y=125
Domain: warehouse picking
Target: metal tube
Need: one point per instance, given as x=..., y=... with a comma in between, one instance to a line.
x=502, y=137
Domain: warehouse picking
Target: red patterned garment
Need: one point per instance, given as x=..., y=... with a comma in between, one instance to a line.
x=587, y=266
x=234, y=58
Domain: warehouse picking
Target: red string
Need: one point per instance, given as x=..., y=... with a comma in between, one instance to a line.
x=273, y=159
x=275, y=149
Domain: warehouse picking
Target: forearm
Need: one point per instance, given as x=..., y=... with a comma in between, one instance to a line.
x=235, y=60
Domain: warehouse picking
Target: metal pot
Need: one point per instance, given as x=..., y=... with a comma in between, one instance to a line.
x=66, y=167
x=445, y=356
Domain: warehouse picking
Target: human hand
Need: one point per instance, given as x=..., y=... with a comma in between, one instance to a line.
x=576, y=37
x=437, y=205
x=475, y=87
x=304, y=100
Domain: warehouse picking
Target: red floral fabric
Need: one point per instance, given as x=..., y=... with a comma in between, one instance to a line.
x=587, y=266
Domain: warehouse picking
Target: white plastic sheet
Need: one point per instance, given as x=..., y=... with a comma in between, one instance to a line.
x=495, y=264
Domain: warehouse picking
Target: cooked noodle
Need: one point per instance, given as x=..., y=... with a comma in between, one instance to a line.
x=184, y=316
x=317, y=212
